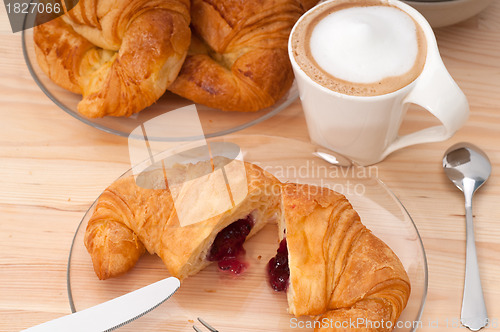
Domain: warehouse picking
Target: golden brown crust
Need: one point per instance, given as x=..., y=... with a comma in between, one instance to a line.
x=372, y=312
x=114, y=248
x=120, y=55
x=150, y=214
x=338, y=268
x=244, y=65
x=61, y=63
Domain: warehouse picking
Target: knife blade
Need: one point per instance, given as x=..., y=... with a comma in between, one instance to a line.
x=115, y=313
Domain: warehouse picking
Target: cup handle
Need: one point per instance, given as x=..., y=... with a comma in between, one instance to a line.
x=438, y=93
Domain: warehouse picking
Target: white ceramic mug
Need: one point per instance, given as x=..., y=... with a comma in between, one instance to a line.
x=365, y=128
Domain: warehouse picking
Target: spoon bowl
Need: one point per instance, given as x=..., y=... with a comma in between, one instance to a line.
x=466, y=162
x=468, y=168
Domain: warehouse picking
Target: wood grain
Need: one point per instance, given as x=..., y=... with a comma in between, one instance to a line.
x=52, y=167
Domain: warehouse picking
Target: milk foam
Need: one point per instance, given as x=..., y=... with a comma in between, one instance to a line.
x=365, y=44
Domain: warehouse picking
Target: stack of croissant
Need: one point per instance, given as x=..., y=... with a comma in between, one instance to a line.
x=338, y=270
x=122, y=55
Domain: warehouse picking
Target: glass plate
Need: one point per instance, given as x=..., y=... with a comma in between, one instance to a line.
x=246, y=302
x=214, y=122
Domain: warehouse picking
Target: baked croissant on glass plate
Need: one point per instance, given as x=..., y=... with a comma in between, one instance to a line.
x=330, y=265
x=338, y=270
x=120, y=55
x=157, y=216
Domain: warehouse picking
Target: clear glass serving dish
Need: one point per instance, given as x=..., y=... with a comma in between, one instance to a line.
x=247, y=302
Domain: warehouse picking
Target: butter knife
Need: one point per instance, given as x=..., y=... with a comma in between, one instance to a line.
x=115, y=313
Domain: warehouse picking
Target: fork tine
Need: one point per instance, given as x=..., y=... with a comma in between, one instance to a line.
x=207, y=325
x=196, y=329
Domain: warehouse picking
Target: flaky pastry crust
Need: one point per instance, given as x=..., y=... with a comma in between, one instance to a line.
x=239, y=62
x=120, y=55
x=140, y=216
x=339, y=270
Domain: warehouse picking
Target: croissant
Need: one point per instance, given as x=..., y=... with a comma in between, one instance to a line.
x=239, y=59
x=339, y=271
x=120, y=55
x=149, y=213
x=332, y=267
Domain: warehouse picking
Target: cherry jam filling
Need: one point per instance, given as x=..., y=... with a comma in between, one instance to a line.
x=227, y=248
x=278, y=269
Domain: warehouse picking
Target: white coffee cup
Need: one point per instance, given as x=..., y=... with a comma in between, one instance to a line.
x=365, y=128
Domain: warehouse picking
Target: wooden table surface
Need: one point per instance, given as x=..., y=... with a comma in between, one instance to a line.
x=52, y=167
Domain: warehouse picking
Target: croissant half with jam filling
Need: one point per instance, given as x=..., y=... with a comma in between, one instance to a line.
x=338, y=271
x=332, y=267
x=150, y=213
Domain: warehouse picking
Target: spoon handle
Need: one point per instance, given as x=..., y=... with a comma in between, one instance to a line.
x=474, y=314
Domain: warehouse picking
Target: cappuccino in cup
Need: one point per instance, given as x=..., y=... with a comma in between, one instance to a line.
x=358, y=65
x=360, y=47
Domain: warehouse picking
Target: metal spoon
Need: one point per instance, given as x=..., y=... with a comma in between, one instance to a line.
x=468, y=168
